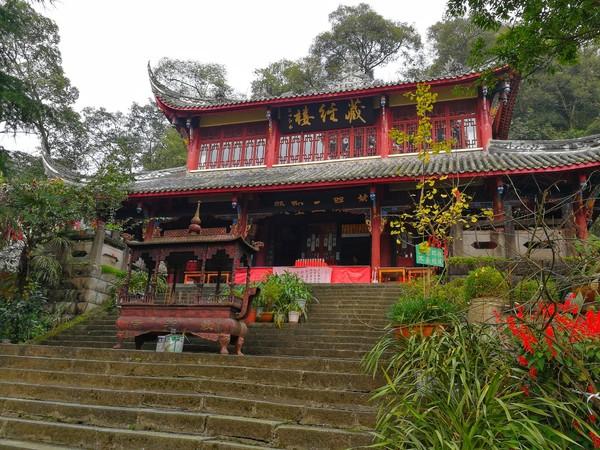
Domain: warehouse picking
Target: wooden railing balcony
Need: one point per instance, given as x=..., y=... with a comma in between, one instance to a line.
x=328, y=145
x=460, y=130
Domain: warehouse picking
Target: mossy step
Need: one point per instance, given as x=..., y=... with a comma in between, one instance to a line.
x=359, y=416
x=256, y=336
x=160, y=420
x=180, y=358
x=266, y=351
x=11, y=444
x=276, y=376
x=86, y=436
x=258, y=342
x=248, y=389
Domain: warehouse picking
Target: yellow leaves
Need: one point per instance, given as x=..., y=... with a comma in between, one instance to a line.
x=424, y=247
x=488, y=213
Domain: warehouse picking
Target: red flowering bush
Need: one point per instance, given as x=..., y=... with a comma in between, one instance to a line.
x=558, y=354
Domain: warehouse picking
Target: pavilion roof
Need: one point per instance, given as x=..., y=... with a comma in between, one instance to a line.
x=178, y=102
x=192, y=240
x=502, y=157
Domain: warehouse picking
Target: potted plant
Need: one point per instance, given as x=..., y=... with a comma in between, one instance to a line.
x=487, y=290
x=280, y=309
x=270, y=292
x=294, y=312
x=297, y=295
x=422, y=313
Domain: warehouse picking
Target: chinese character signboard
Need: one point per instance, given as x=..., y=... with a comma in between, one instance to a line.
x=327, y=115
x=430, y=256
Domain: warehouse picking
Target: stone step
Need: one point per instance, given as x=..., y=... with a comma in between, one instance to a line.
x=290, y=436
x=82, y=436
x=11, y=444
x=312, y=326
x=325, y=326
x=181, y=358
x=254, y=336
x=275, y=351
x=278, y=376
x=247, y=389
x=331, y=313
x=342, y=305
x=262, y=431
x=355, y=418
x=264, y=335
x=256, y=341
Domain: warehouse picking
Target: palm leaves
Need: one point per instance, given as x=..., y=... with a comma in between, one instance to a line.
x=50, y=261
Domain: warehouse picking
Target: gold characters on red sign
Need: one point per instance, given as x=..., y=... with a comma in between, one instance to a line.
x=354, y=113
x=328, y=112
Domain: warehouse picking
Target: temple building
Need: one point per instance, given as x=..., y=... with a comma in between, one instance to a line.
x=314, y=179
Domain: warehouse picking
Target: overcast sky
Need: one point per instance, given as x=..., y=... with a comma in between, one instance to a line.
x=106, y=44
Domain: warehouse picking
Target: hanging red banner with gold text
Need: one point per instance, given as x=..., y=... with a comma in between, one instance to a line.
x=327, y=115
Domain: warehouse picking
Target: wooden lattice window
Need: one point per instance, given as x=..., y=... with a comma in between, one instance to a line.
x=451, y=120
x=324, y=145
x=232, y=146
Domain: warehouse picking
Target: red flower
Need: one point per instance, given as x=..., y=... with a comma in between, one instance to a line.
x=523, y=361
x=595, y=439
x=525, y=390
x=533, y=372
x=520, y=314
x=592, y=418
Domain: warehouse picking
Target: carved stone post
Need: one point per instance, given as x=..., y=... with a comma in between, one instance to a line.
x=97, y=245
x=510, y=239
x=457, y=240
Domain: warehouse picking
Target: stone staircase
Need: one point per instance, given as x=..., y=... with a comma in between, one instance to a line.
x=298, y=387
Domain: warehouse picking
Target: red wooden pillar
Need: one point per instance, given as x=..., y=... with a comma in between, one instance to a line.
x=193, y=149
x=149, y=229
x=498, y=201
x=272, y=147
x=485, y=126
x=581, y=228
x=385, y=119
x=375, y=232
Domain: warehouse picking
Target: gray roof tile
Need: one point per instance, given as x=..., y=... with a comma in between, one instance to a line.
x=502, y=156
x=178, y=101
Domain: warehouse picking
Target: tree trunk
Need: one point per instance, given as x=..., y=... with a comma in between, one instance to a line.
x=23, y=270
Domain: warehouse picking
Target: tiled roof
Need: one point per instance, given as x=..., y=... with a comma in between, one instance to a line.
x=176, y=100
x=192, y=239
x=501, y=157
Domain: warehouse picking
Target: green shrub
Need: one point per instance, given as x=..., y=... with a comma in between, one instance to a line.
x=476, y=261
x=24, y=317
x=110, y=270
x=453, y=291
x=421, y=304
x=528, y=290
x=485, y=282
x=270, y=292
x=458, y=390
